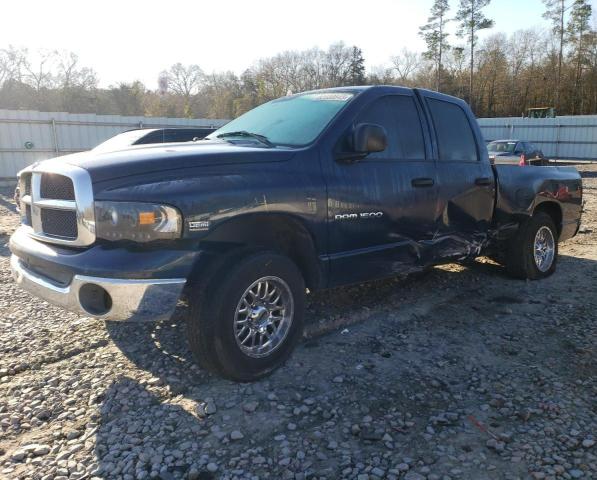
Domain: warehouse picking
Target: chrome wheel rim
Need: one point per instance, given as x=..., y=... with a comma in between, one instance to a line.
x=263, y=316
x=544, y=249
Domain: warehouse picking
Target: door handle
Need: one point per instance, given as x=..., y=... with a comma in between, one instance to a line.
x=422, y=182
x=483, y=181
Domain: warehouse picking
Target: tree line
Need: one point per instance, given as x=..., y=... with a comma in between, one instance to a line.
x=502, y=75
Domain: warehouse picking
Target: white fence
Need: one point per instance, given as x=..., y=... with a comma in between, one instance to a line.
x=559, y=138
x=27, y=136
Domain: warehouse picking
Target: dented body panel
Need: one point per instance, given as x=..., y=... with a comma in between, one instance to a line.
x=342, y=222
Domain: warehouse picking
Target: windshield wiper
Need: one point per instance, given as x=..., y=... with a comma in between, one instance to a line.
x=243, y=133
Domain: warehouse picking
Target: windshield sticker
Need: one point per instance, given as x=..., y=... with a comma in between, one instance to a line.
x=326, y=96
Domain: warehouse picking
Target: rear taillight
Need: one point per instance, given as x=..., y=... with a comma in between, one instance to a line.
x=523, y=160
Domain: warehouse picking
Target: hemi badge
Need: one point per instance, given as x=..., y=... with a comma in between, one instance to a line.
x=198, y=226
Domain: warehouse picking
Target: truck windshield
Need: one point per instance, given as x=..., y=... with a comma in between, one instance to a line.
x=292, y=121
x=501, y=147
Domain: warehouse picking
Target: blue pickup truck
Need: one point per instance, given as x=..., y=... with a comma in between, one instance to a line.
x=309, y=191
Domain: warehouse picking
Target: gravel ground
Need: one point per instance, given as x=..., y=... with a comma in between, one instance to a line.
x=459, y=373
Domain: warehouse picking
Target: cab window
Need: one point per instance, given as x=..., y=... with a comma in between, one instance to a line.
x=399, y=116
x=455, y=138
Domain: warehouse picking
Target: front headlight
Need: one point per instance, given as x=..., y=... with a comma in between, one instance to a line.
x=141, y=222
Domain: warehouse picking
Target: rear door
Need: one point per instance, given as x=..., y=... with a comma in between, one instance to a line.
x=466, y=185
x=381, y=209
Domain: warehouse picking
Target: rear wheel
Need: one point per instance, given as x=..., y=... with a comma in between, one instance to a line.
x=533, y=251
x=246, y=321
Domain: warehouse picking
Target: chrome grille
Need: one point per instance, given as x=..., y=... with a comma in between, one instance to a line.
x=28, y=214
x=26, y=184
x=56, y=187
x=59, y=223
x=58, y=203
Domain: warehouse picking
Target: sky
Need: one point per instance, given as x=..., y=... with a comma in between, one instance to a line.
x=127, y=40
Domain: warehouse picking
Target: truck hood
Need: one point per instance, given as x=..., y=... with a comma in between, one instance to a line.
x=172, y=156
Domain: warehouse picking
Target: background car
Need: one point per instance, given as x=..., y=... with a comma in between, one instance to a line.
x=142, y=136
x=515, y=152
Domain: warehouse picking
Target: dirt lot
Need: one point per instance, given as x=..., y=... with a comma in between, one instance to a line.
x=461, y=373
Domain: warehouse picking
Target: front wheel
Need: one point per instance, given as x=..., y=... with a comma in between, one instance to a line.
x=246, y=321
x=533, y=251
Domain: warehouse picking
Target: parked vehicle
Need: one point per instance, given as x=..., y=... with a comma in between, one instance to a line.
x=541, y=112
x=144, y=136
x=515, y=152
x=309, y=191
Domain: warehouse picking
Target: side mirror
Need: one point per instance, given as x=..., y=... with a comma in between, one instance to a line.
x=365, y=138
x=369, y=138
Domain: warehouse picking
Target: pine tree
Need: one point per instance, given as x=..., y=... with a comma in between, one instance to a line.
x=436, y=37
x=472, y=20
x=555, y=12
x=578, y=29
x=357, y=67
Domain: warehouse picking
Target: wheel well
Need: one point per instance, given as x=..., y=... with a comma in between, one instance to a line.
x=553, y=210
x=281, y=233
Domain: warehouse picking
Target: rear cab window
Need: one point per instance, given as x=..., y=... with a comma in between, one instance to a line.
x=455, y=137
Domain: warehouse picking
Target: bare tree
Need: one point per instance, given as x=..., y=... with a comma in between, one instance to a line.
x=184, y=80
x=338, y=59
x=406, y=64
x=71, y=75
x=39, y=70
x=313, y=69
x=12, y=63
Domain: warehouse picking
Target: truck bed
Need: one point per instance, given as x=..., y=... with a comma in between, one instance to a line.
x=521, y=189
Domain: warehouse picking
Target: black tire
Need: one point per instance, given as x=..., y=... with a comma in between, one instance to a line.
x=520, y=259
x=213, y=307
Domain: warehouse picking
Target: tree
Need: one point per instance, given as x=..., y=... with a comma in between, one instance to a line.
x=511, y=73
x=357, y=67
x=39, y=70
x=406, y=63
x=555, y=11
x=337, y=65
x=472, y=20
x=578, y=29
x=128, y=98
x=184, y=80
x=436, y=37
x=71, y=75
x=12, y=61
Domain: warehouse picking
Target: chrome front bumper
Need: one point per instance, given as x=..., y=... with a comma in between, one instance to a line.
x=129, y=299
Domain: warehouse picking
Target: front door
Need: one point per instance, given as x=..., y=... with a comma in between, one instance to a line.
x=381, y=209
